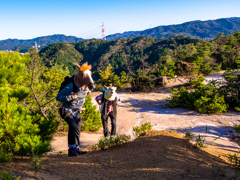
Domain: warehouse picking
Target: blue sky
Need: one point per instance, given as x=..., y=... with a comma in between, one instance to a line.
x=25, y=19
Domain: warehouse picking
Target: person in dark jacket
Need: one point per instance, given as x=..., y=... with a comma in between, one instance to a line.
x=109, y=101
x=72, y=103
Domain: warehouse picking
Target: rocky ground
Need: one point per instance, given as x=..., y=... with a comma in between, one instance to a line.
x=163, y=154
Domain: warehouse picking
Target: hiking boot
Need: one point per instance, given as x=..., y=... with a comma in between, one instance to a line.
x=112, y=136
x=81, y=152
x=72, y=152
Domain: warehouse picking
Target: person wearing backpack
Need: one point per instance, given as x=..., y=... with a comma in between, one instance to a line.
x=72, y=94
x=109, y=101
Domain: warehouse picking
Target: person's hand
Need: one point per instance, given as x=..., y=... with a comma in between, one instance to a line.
x=89, y=91
x=74, y=95
x=118, y=102
x=99, y=102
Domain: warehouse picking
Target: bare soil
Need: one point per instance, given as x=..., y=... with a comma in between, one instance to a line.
x=163, y=154
x=159, y=155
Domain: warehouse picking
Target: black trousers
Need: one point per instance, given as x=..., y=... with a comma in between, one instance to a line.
x=74, y=124
x=105, y=125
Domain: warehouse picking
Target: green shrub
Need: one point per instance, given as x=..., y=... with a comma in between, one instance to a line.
x=142, y=130
x=230, y=90
x=27, y=103
x=36, y=162
x=109, y=77
x=205, y=98
x=218, y=67
x=23, y=134
x=4, y=156
x=182, y=98
x=237, y=109
x=188, y=134
x=142, y=82
x=237, y=128
x=196, y=82
x=234, y=160
x=111, y=141
x=213, y=104
x=7, y=176
x=200, y=141
x=91, y=120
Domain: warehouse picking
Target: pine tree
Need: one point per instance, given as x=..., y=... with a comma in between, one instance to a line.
x=18, y=132
x=27, y=103
x=109, y=77
x=90, y=117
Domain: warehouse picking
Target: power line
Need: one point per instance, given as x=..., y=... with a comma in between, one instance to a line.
x=96, y=31
x=111, y=28
x=87, y=32
x=92, y=35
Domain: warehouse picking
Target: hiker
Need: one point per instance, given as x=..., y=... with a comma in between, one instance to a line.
x=108, y=101
x=73, y=97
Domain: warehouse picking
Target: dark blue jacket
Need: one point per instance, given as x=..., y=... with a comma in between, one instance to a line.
x=65, y=96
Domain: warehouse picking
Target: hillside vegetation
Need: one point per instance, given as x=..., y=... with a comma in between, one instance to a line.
x=127, y=55
x=178, y=55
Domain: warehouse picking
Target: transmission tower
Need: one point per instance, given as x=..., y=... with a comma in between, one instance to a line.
x=36, y=46
x=103, y=31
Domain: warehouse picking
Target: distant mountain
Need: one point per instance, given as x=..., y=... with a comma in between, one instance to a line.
x=197, y=29
x=14, y=44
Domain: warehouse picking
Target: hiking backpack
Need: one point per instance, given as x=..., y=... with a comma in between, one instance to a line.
x=67, y=80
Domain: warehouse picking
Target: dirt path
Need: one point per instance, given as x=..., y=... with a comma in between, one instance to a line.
x=138, y=108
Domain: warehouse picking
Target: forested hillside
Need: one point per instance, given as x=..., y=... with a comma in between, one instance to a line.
x=177, y=55
x=24, y=45
x=196, y=29
x=63, y=54
x=127, y=55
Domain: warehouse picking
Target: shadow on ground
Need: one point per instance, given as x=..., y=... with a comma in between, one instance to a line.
x=160, y=155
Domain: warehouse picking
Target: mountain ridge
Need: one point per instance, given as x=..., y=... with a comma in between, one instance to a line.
x=11, y=44
x=197, y=29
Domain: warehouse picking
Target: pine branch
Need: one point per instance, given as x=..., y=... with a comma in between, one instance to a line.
x=34, y=94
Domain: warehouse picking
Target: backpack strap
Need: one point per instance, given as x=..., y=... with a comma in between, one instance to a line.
x=74, y=85
x=103, y=96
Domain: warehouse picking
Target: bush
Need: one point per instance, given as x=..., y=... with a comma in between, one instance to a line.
x=91, y=120
x=111, y=141
x=23, y=134
x=182, y=98
x=200, y=142
x=7, y=175
x=237, y=128
x=142, y=130
x=5, y=156
x=214, y=104
x=142, y=82
x=230, y=90
x=27, y=116
x=205, y=98
x=108, y=77
x=196, y=82
x=188, y=134
x=218, y=67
